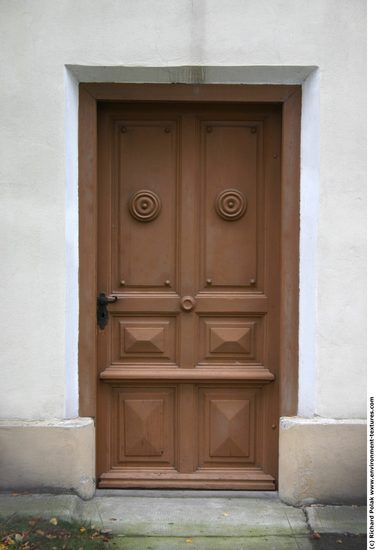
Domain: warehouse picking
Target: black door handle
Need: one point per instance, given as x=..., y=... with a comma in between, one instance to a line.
x=102, y=313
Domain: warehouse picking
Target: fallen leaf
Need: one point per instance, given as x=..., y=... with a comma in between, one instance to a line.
x=225, y=513
x=106, y=531
x=315, y=536
x=18, y=537
x=32, y=522
x=339, y=541
x=53, y=521
x=188, y=540
x=82, y=529
x=40, y=532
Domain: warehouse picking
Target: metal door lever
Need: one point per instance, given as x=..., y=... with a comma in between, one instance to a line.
x=102, y=313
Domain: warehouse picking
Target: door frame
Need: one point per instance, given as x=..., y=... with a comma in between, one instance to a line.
x=289, y=97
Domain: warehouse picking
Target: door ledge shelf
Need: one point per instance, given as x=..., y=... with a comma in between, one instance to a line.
x=261, y=375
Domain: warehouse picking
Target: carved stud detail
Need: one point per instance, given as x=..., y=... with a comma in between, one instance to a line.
x=144, y=205
x=231, y=204
x=187, y=303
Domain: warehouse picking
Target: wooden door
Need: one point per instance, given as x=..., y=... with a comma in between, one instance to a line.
x=189, y=244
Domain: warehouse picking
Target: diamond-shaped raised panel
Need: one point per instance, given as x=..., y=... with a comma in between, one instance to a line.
x=230, y=339
x=229, y=428
x=144, y=339
x=228, y=420
x=139, y=340
x=143, y=426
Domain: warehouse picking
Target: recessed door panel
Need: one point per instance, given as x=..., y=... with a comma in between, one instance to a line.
x=146, y=203
x=143, y=426
x=232, y=340
x=144, y=340
x=228, y=426
x=231, y=169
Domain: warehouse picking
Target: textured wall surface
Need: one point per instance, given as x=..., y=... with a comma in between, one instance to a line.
x=48, y=456
x=40, y=38
x=322, y=461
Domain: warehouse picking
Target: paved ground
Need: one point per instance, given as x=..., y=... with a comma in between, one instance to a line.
x=159, y=520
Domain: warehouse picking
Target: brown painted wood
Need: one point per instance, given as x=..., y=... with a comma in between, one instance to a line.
x=139, y=372
x=187, y=387
x=190, y=93
x=188, y=241
x=290, y=254
x=87, y=150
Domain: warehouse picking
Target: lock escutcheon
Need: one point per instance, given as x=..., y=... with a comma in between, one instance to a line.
x=102, y=312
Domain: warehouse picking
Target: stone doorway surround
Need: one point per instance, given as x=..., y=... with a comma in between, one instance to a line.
x=317, y=460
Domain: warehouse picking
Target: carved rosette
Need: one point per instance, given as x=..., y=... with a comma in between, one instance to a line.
x=231, y=204
x=144, y=205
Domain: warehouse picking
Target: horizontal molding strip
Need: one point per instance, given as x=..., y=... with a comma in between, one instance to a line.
x=260, y=374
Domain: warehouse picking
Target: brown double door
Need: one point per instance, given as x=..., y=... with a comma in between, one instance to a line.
x=188, y=218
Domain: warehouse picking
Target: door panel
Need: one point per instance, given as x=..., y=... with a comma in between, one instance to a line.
x=229, y=169
x=188, y=221
x=143, y=426
x=143, y=340
x=230, y=341
x=145, y=204
x=228, y=426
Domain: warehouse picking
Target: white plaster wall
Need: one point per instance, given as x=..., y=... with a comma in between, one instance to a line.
x=39, y=38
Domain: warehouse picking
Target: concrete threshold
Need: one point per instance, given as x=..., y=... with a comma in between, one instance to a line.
x=149, y=518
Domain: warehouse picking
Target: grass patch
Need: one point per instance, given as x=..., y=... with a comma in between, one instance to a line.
x=18, y=533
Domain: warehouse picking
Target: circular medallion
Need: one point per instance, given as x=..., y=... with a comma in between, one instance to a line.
x=187, y=303
x=231, y=204
x=144, y=205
